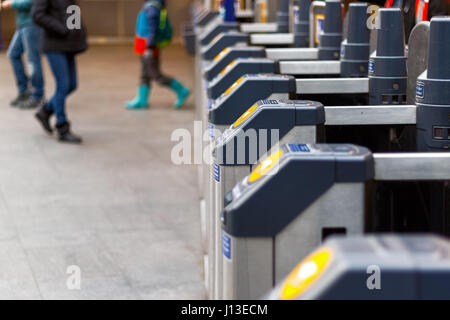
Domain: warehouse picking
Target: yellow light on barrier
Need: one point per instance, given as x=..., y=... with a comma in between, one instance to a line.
x=216, y=38
x=221, y=54
x=234, y=86
x=305, y=274
x=228, y=67
x=318, y=19
x=265, y=166
x=245, y=115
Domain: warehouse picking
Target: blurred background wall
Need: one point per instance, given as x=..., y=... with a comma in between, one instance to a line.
x=111, y=20
x=114, y=20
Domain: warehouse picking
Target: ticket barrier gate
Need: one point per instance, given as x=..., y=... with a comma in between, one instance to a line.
x=271, y=122
x=204, y=17
x=226, y=40
x=291, y=120
x=232, y=38
x=353, y=63
x=387, y=79
x=215, y=43
x=200, y=18
x=409, y=267
x=203, y=35
x=222, y=120
x=332, y=33
x=299, y=52
x=202, y=100
x=205, y=29
x=309, y=114
x=281, y=25
x=299, y=35
x=296, y=198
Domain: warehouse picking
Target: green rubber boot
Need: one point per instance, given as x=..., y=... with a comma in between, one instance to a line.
x=181, y=91
x=141, y=100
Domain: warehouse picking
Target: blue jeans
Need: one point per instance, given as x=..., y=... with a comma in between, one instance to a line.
x=27, y=40
x=65, y=72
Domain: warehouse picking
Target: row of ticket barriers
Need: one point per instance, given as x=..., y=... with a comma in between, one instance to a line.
x=329, y=169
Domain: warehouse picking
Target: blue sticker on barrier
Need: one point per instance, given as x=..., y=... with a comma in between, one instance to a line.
x=226, y=245
x=297, y=14
x=299, y=148
x=211, y=131
x=371, y=66
x=216, y=172
x=420, y=90
x=209, y=106
x=269, y=101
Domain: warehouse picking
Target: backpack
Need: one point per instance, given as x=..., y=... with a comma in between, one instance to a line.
x=164, y=33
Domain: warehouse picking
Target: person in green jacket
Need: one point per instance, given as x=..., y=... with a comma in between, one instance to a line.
x=26, y=40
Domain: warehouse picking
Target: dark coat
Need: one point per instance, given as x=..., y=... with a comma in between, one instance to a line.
x=435, y=8
x=52, y=17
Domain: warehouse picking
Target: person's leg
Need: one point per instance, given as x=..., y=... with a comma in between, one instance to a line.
x=60, y=69
x=73, y=74
x=15, y=52
x=64, y=70
x=68, y=84
x=181, y=91
x=31, y=39
x=155, y=72
x=141, y=99
x=32, y=36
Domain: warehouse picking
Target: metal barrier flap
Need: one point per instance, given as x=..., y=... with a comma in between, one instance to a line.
x=417, y=57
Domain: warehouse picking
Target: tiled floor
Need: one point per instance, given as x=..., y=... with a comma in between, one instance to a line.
x=115, y=206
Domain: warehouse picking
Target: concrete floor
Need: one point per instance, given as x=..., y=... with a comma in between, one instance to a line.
x=115, y=206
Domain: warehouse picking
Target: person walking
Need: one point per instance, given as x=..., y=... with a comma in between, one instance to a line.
x=61, y=44
x=26, y=40
x=153, y=32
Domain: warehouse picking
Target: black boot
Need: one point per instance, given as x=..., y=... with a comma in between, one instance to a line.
x=31, y=103
x=22, y=97
x=43, y=116
x=65, y=135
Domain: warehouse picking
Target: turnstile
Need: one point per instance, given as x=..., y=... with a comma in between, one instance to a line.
x=376, y=267
x=354, y=57
x=205, y=172
x=297, y=39
x=296, y=198
x=300, y=34
x=281, y=25
x=235, y=156
x=221, y=121
x=433, y=90
x=222, y=50
x=239, y=147
x=389, y=89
